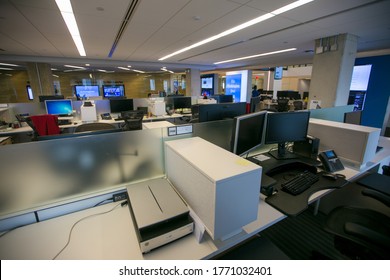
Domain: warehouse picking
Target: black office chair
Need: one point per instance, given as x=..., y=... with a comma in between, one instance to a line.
x=282, y=105
x=93, y=127
x=298, y=105
x=133, y=119
x=363, y=231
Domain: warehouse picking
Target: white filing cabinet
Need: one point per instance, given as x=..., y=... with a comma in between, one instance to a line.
x=222, y=188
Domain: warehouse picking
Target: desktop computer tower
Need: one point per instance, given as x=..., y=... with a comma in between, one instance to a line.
x=308, y=148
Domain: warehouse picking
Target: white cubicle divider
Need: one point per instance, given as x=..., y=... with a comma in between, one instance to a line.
x=221, y=188
x=354, y=144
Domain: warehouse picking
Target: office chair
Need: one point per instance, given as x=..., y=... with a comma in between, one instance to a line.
x=363, y=231
x=282, y=105
x=133, y=119
x=298, y=105
x=93, y=127
x=43, y=125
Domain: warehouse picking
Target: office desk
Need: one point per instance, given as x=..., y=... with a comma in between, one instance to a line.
x=112, y=235
x=109, y=233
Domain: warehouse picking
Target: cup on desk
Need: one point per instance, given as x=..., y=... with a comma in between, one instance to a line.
x=15, y=125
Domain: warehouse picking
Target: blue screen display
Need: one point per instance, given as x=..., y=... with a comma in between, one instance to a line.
x=59, y=107
x=87, y=91
x=113, y=91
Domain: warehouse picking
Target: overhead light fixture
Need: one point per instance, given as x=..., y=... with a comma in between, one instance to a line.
x=241, y=26
x=55, y=76
x=2, y=68
x=73, y=66
x=66, y=10
x=124, y=68
x=8, y=64
x=138, y=71
x=105, y=71
x=256, y=55
x=166, y=70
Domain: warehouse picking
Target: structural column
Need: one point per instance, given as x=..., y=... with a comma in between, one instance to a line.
x=332, y=69
x=193, y=82
x=41, y=79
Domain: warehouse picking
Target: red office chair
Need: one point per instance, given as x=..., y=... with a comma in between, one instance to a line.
x=43, y=125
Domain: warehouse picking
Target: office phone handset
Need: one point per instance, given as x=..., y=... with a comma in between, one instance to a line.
x=330, y=161
x=106, y=116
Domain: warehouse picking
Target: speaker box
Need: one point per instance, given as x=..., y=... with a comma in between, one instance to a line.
x=308, y=148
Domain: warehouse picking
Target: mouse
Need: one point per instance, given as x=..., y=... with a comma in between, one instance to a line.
x=330, y=176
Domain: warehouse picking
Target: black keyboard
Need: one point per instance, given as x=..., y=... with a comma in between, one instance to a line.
x=300, y=183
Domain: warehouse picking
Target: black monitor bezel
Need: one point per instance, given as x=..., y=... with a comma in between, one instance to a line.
x=271, y=126
x=237, y=128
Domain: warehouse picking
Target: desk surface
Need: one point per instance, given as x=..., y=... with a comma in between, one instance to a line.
x=107, y=232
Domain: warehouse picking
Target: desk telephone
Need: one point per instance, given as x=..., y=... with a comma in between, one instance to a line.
x=106, y=116
x=330, y=161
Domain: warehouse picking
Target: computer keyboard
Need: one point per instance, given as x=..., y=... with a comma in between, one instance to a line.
x=300, y=183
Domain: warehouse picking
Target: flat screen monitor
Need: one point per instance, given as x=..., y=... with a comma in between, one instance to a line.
x=283, y=127
x=59, y=107
x=247, y=132
x=223, y=98
x=180, y=102
x=121, y=105
x=113, y=91
x=43, y=98
x=219, y=111
x=360, y=77
x=85, y=92
x=30, y=94
x=207, y=82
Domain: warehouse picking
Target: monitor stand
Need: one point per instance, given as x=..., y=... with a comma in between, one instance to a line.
x=282, y=153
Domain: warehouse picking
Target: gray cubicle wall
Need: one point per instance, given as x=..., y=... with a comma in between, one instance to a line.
x=332, y=113
x=42, y=173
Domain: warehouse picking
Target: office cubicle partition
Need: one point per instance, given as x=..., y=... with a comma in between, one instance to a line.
x=40, y=173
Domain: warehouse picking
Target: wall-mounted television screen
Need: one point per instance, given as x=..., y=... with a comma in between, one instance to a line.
x=278, y=73
x=360, y=77
x=30, y=94
x=85, y=92
x=207, y=82
x=113, y=91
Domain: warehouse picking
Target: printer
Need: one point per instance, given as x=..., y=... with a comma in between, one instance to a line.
x=88, y=111
x=160, y=215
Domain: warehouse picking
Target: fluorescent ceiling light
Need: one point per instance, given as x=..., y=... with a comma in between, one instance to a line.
x=105, y=71
x=124, y=68
x=7, y=64
x=66, y=10
x=241, y=26
x=166, y=70
x=2, y=68
x=256, y=55
x=138, y=71
x=73, y=66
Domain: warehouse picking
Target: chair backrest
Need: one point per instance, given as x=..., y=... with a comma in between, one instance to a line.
x=298, y=104
x=283, y=105
x=44, y=124
x=94, y=126
x=133, y=119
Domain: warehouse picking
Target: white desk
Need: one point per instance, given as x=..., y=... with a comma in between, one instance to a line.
x=112, y=235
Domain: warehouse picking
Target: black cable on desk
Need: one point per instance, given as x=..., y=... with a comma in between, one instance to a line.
x=82, y=219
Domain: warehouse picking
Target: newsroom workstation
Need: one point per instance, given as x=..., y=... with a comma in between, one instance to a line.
x=242, y=164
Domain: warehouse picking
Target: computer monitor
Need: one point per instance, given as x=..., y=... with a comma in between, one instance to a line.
x=113, y=91
x=247, y=132
x=283, y=127
x=222, y=98
x=59, y=107
x=179, y=102
x=219, y=111
x=86, y=92
x=43, y=98
x=121, y=105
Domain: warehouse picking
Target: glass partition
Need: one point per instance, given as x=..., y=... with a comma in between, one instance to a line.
x=41, y=173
